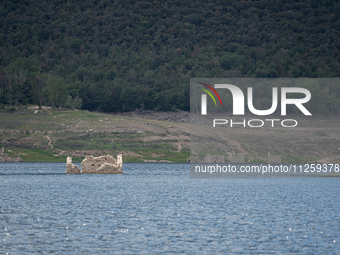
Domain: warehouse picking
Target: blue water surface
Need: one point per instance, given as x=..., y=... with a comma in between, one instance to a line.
x=158, y=209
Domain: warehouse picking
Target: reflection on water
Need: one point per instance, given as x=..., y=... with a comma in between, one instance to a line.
x=154, y=208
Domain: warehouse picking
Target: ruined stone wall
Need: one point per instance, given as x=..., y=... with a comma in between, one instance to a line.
x=239, y=158
x=70, y=168
x=274, y=159
x=108, y=168
x=90, y=164
x=214, y=158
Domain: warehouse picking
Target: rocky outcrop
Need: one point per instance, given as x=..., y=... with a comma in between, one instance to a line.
x=5, y=158
x=156, y=161
x=165, y=161
x=98, y=165
x=70, y=168
x=9, y=159
x=150, y=161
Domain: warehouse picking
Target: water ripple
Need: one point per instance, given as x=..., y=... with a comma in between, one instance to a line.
x=157, y=208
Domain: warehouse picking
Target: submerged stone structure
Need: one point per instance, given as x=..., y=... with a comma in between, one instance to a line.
x=97, y=165
x=70, y=168
x=102, y=165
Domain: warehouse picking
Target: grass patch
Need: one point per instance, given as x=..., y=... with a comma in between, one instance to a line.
x=34, y=155
x=257, y=161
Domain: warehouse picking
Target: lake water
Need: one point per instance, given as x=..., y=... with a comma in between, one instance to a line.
x=157, y=208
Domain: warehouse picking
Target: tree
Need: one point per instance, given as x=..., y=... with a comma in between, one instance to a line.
x=2, y=84
x=19, y=86
x=9, y=87
x=75, y=103
x=19, y=80
x=56, y=90
x=38, y=87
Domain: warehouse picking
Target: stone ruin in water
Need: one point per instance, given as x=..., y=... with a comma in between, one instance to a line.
x=96, y=165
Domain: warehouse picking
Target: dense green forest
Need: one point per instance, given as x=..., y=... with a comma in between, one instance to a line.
x=110, y=55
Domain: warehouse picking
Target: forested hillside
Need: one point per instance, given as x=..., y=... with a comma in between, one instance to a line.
x=121, y=55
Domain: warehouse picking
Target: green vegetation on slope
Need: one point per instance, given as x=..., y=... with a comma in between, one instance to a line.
x=51, y=135
x=121, y=55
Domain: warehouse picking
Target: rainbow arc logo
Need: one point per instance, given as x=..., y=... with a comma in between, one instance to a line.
x=208, y=92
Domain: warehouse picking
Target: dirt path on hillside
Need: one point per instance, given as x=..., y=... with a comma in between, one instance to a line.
x=49, y=141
